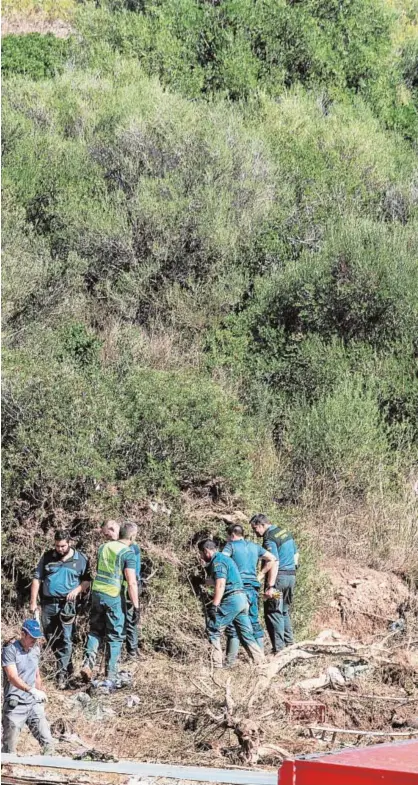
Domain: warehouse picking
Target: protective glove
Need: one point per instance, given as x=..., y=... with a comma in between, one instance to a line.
x=39, y=695
x=212, y=611
x=135, y=616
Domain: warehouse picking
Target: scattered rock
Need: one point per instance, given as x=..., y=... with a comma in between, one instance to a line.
x=132, y=700
x=352, y=669
x=336, y=678
x=82, y=699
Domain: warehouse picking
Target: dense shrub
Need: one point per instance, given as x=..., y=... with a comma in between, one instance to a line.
x=207, y=298
x=341, y=437
x=65, y=425
x=235, y=46
x=144, y=208
x=239, y=48
x=33, y=54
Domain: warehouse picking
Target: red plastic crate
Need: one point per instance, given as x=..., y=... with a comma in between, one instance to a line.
x=305, y=711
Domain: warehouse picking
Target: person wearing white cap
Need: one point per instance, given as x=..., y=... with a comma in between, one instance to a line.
x=24, y=698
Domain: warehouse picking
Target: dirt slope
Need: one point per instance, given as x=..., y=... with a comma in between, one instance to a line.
x=363, y=602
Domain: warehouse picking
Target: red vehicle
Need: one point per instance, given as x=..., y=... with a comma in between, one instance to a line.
x=387, y=764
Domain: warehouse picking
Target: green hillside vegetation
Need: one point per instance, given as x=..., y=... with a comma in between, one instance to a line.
x=210, y=284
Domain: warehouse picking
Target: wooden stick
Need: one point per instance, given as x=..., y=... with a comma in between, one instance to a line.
x=354, y=696
x=356, y=732
x=166, y=711
x=206, y=693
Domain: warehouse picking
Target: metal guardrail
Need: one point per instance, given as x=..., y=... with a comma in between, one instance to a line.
x=193, y=773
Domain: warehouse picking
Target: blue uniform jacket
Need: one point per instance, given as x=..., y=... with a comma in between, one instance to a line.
x=282, y=545
x=221, y=566
x=246, y=555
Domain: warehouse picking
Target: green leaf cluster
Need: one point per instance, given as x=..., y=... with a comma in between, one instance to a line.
x=35, y=55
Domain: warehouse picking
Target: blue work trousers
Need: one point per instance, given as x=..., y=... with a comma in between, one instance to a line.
x=276, y=614
x=252, y=597
x=232, y=646
x=59, y=636
x=107, y=624
x=233, y=611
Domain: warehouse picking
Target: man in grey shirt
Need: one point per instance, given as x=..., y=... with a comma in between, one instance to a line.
x=23, y=695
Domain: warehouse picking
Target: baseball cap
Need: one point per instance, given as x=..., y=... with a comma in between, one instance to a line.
x=31, y=626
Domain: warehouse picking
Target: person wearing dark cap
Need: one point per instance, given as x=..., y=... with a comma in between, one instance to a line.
x=24, y=697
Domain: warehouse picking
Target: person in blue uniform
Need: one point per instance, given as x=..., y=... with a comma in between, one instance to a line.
x=62, y=574
x=229, y=605
x=279, y=541
x=247, y=555
x=128, y=535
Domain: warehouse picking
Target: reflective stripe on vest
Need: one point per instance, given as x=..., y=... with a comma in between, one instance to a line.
x=109, y=575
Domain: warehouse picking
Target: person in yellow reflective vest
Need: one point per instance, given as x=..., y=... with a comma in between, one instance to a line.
x=115, y=563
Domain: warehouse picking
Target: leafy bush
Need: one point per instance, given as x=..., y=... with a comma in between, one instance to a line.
x=79, y=344
x=184, y=430
x=341, y=437
x=166, y=429
x=235, y=46
x=33, y=54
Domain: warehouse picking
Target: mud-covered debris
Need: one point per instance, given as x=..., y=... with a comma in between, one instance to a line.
x=61, y=727
x=96, y=755
x=81, y=699
x=331, y=678
x=132, y=700
x=351, y=669
x=336, y=678
x=397, y=626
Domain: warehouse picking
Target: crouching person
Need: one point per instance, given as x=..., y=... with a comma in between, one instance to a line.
x=229, y=606
x=24, y=698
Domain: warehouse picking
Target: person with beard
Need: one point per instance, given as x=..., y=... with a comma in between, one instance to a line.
x=61, y=576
